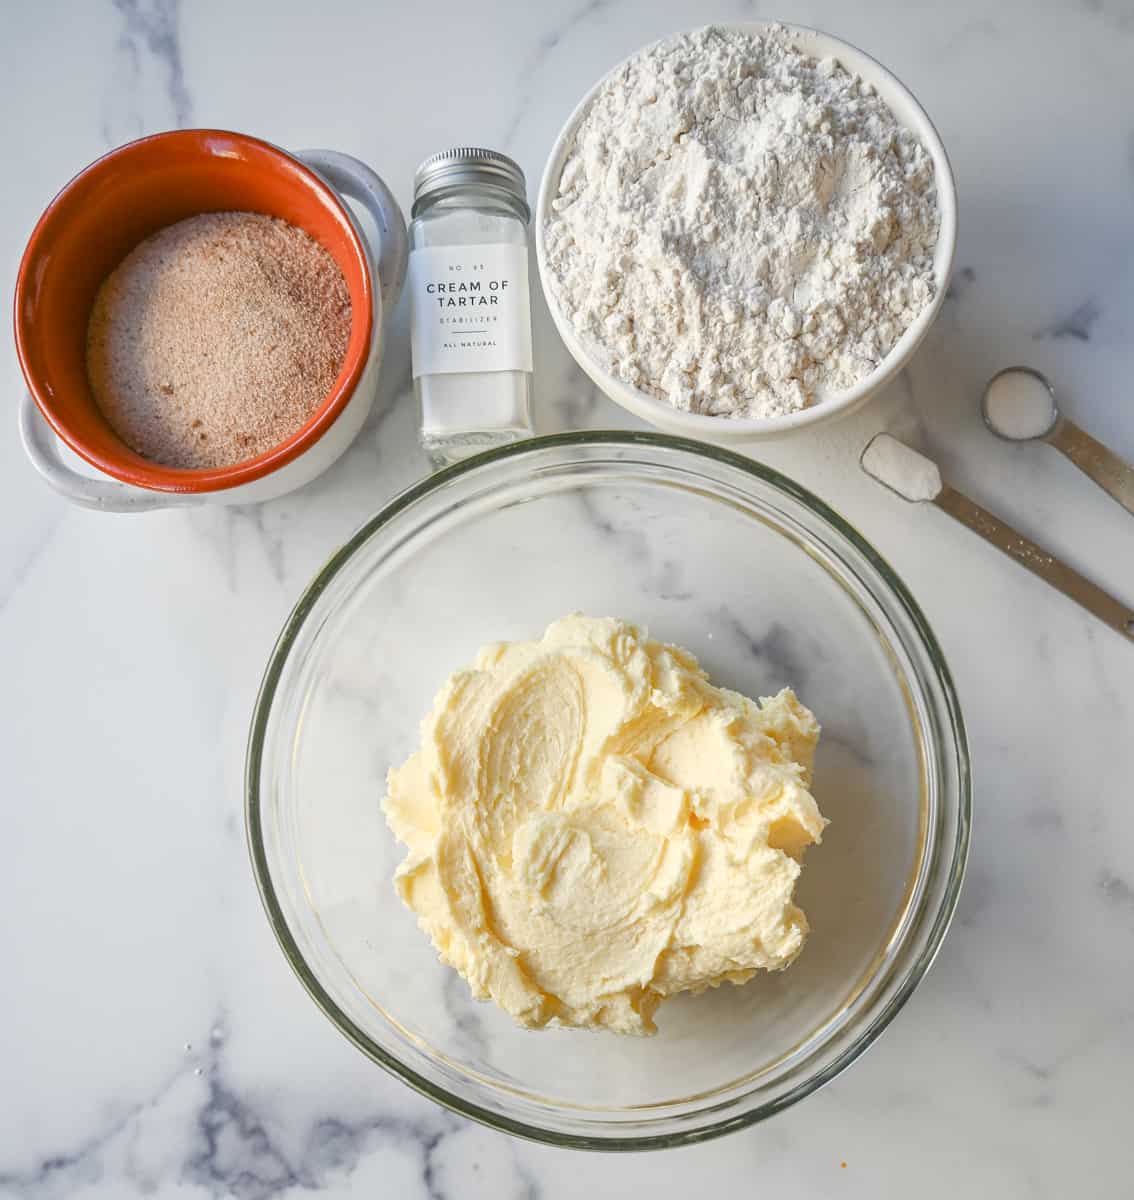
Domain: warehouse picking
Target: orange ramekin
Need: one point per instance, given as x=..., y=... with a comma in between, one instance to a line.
x=128, y=194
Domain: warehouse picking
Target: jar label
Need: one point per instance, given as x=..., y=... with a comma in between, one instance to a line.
x=470, y=309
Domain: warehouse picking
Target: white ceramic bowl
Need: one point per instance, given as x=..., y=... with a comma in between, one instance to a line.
x=739, y=431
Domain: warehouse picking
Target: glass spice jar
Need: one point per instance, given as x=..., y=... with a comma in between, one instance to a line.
x=470, y=305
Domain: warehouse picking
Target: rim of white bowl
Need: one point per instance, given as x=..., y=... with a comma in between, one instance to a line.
x=739, y=430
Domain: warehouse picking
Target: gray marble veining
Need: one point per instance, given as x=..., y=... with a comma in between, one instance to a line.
x=1077, y=324
x=147, y=49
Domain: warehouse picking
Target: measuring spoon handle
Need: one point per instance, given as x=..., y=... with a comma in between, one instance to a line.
x=1037, y=560
x=1114, y=476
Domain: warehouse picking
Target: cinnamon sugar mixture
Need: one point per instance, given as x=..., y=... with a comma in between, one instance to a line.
x=217, y=338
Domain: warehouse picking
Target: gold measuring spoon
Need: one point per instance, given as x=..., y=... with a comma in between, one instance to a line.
x=909, y=474
x=1019, y=406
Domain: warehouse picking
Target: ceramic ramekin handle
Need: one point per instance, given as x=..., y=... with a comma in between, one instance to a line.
x=106, y=495
x=355, y=179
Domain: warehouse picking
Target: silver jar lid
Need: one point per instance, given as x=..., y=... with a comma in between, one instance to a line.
x=470, y=165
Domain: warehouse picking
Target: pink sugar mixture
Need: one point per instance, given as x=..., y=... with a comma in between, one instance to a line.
x=217, y=338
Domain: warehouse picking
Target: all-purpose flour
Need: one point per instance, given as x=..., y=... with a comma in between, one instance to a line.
x=741, y=229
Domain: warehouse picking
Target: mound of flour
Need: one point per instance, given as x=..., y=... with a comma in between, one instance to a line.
x=741, y=229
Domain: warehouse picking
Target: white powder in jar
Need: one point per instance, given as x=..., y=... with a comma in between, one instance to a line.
x=741, y=229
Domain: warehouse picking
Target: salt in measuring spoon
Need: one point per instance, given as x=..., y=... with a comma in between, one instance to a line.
x=1019, y=406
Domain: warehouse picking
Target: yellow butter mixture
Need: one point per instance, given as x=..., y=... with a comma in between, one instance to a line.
x=592, y=826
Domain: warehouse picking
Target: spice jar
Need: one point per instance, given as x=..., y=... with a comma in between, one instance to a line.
x=470, y=305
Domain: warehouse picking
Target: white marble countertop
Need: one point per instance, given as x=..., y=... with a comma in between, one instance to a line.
x=153, y=1040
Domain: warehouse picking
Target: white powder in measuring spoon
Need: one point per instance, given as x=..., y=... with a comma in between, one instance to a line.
x=1018, y=404
x=739, y=228
x=902, y=469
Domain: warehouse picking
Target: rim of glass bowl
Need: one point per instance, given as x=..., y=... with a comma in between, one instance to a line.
x=719, y=1121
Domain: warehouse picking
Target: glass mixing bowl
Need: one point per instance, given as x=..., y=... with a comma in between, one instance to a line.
x=767, y=586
